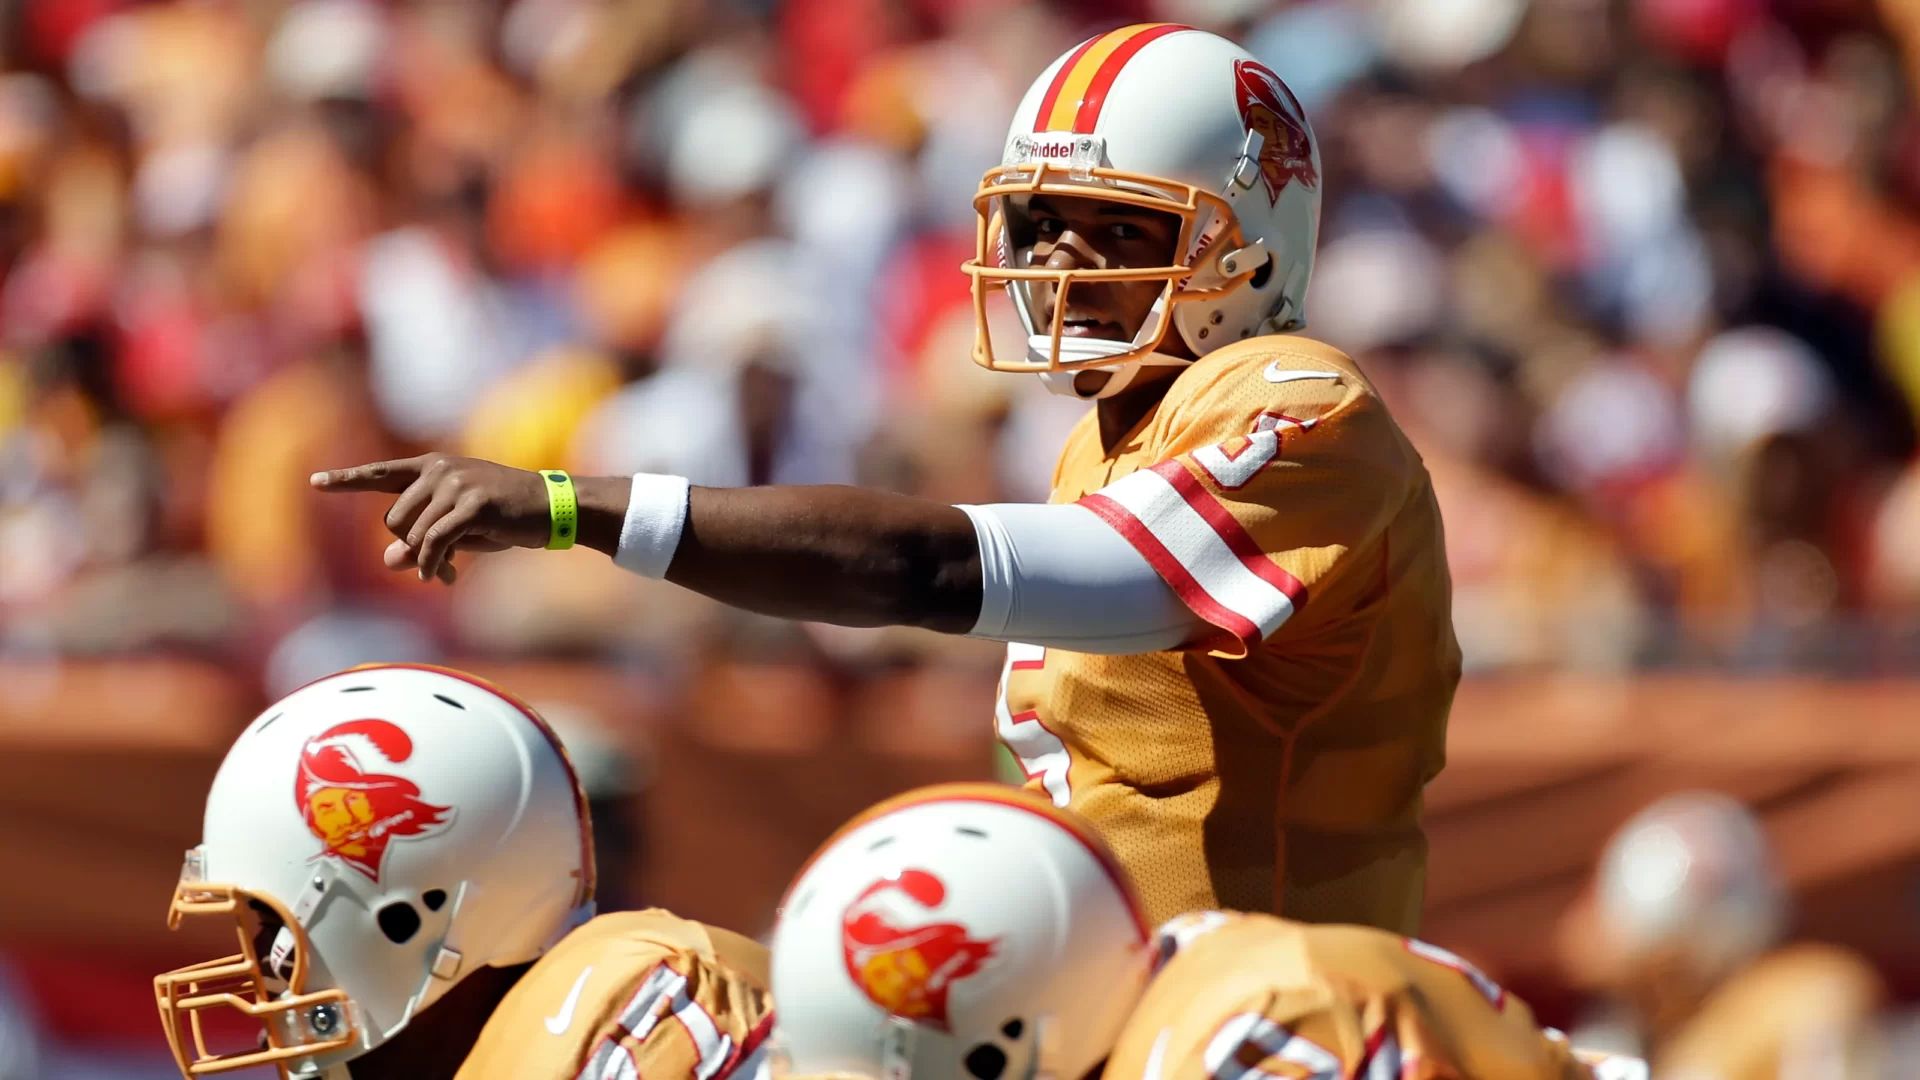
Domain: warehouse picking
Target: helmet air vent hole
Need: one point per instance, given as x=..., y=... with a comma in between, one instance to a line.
x=968, y=830
x=398, y=921
x=1013, y=1028
x=1262, y=276
x=986, y=1062
x=355, y=689
x=435, y=899
x=451, y=702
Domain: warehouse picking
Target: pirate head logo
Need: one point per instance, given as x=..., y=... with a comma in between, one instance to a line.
x=903, y=960
x=353, y=802
x=1270, y=110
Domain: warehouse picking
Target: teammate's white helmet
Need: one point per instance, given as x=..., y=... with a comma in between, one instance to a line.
x=1169, y=118
x=403, y=827
x=960, y=931
x=1691, y=875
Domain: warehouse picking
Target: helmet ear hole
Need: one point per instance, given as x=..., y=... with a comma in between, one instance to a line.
x=1263, y=275
x=985, y=1062
x=398, y=921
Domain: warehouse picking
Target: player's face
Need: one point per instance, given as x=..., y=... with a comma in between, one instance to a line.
x=1071, y=233
x=339, y=814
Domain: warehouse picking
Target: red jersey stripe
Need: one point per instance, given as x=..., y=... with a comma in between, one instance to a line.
x=1230, y=531
x=1177, y=576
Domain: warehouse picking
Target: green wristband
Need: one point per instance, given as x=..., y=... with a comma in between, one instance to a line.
x=563, y=509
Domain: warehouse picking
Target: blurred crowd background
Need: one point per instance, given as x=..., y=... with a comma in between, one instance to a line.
x=1640, y=277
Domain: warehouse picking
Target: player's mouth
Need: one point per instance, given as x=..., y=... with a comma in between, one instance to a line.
x=1104, y=329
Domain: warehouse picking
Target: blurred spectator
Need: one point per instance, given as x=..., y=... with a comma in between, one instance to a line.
x=1643, y=279
x=19, y=1045
x=1686, y=929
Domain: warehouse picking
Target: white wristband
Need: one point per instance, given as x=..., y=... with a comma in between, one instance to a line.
x=656, y=513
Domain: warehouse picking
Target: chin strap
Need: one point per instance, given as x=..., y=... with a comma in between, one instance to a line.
x=1062, y=382
x=1040, y=346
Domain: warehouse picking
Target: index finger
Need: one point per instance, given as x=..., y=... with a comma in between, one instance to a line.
x=389, y=476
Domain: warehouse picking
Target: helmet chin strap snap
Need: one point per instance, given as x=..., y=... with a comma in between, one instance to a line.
x=1244, y=259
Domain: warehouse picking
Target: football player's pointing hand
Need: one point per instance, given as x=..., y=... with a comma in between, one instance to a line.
x=449, y=504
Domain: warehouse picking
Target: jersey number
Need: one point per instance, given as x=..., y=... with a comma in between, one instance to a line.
x=1233, y=470
x=1248, y=1042
x=1042, y=755
x=661, y=995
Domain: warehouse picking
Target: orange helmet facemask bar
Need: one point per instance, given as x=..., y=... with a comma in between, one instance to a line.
x=1045, y=178
x=296, y=1023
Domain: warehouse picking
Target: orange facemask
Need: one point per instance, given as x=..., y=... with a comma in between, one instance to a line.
x=1207, y=224
x=295, y=1023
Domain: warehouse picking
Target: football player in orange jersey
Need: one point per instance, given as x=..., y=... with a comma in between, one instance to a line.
x=1230, y=643
x=1688, y=913
x=404, y=859
x=967, y=931
x=1243, y=995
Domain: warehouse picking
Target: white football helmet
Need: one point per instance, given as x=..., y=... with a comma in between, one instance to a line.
x=1168, y=118
x=372, y=839
x=959, y=931
x=1691, y=875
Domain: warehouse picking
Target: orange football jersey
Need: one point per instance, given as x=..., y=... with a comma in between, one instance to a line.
x=1807, y=1010
x=1252, y=996
x=1278, y=765
x=630, y=995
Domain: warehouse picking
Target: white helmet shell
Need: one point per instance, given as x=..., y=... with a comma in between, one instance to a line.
x=1173, y=119
x=960, y=930
x=407, y=826
x=1692, y=874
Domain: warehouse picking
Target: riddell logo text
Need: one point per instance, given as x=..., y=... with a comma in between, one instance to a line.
x=1051, y=150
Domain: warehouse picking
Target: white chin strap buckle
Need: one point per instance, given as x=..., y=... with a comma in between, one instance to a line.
x=280, y=956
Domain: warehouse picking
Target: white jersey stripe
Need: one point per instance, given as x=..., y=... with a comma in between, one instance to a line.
x=1198, y=547
x=610, y=1062
x=714, y=1046
x=662, y=994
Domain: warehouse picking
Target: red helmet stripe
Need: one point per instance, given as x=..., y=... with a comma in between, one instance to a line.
x=1052, y=96
x=1095, y=95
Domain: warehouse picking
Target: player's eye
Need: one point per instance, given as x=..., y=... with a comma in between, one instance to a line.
x=1126, y=230
x=1048, y=228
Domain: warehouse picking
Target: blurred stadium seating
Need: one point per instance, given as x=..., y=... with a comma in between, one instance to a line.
x=1640, y=277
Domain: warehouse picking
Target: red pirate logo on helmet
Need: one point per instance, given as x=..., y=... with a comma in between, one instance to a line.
x=1268, y=108
x=352, y=803
x=903, y=962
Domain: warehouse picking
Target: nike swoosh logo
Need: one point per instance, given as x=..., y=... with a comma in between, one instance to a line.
x=1156, y=1058
x=1275, y=373
x=559, y=1022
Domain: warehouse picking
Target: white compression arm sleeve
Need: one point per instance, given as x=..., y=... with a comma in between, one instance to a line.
x=1058, y=576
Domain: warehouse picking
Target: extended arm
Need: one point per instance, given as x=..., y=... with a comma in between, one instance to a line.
x=1050, y=575
x=846, y=555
